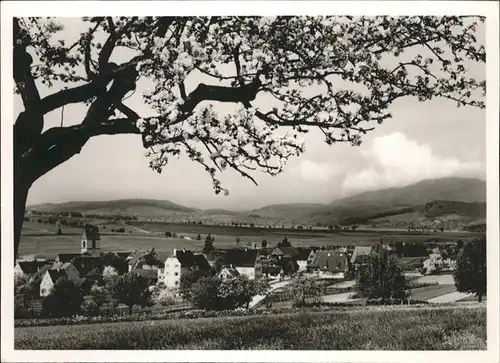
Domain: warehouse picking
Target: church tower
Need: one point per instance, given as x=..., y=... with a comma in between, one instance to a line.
x=91, y=240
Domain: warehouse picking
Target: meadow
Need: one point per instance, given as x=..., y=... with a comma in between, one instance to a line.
x=446, y=328
x=38, y=238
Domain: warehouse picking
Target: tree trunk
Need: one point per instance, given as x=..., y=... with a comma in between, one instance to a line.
x=480, y=297
x=20, y=196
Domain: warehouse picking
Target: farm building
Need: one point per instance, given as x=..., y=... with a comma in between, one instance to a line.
x=49, y=279
x=149, y=260
x=296, y=254
x=179, y=263
x=28, y=268
x=360, y=255
x=244, y=261
x=331, y=263
x=69, y=269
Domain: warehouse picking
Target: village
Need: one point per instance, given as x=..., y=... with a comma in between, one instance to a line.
x=162, y=267
x=167, y=273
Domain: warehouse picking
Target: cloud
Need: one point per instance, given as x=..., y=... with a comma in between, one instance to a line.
x=396, y=160
x=315, y=172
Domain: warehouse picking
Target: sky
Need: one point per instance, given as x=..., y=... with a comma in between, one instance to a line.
x=422, y=140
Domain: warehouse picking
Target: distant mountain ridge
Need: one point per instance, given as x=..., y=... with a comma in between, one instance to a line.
x=452, y=188
x=458, y=198
x=112, y=206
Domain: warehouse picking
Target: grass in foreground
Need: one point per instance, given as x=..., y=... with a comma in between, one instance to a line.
x=422, y=329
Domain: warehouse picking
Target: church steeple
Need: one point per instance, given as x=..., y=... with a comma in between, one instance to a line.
x=90, y=240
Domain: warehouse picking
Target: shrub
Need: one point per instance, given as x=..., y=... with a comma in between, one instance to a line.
x=21, y=305
x=303, y=288
x=165, y=298
x=65, y=299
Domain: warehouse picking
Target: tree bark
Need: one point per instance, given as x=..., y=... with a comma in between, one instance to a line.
x=20, y=196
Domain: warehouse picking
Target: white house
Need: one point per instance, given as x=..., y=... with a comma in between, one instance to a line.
x=49, y=279
x=28, y=268
x=173, y=271
x=179, y=263
x=244, y=261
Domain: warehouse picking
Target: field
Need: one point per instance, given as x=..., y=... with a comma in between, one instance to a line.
x=41, y=239
x=446, y=328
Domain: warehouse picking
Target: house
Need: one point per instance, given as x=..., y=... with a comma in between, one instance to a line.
x=296, y=254
x=310, y=258
x=150, y=261
x=246, y=261
x=147, y=261
x=114, y=260
x=360, y=255
x=179, y=263
x=332, y=263
x=28, y=268
x=49, y=279
x=70, y=269
x=90, y=241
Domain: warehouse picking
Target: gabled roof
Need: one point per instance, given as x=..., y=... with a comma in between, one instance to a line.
x=228, y=272
x=152, y=258
x=189, y=259
x=67, y=257
x=298, y=253
x=56, y=274
x=61, y=265
x=31, y=267
x=267, y=251
x=241, y=258
x=91, y=232
x=360, y=253
x=331, y=261
x=84, y=264
x=303, y=253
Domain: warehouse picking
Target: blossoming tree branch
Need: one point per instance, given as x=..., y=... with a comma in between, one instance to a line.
x=337, y=74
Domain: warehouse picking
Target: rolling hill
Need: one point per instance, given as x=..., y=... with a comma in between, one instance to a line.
x=452, y=200
x=456, y=189
x=462, y=199
x=125, y=206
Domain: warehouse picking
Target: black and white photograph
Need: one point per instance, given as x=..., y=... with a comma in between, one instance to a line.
x=227, y=178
